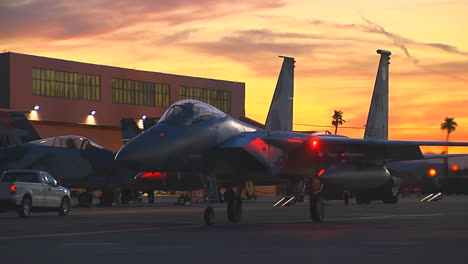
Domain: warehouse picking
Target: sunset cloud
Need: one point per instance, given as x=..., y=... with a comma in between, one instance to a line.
x=52, y=19
x=240, y=41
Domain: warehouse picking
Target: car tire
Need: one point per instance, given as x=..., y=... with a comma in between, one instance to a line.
x=25, y=207
x=64, y=207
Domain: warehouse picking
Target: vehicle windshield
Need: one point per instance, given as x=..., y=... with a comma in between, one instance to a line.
x=188, y=112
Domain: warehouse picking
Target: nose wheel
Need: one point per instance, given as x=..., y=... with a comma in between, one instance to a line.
x=209, y=216
x=234, y=208
x=317, y=207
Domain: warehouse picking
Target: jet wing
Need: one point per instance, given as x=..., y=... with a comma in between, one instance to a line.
x=242, y=139
x=371, y=149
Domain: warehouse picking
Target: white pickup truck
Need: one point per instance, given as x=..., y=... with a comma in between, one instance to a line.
x=25, y=190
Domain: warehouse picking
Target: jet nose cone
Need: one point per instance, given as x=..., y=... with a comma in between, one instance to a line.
x=131, y=153
x=146, y=151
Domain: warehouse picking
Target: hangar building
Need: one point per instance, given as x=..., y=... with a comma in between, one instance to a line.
x=90, y=100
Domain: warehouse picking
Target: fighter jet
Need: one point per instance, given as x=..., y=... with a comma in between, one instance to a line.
x=196, y=137
x=75, y=161
x=434, y=173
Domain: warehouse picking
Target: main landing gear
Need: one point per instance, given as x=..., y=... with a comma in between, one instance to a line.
x=234, y=208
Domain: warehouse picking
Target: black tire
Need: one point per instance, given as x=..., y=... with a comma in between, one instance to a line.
x=181, y=200
x=234, y=210
x=85, y=199
x=64, y=207
x=391, y=200
x=317, y=208
x=25, y=208
x=362, y=200
x=346, y=198
x=209, y=216
x=107, y=198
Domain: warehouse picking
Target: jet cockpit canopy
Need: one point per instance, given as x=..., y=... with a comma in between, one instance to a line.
x=68, y=141
x=189, y=111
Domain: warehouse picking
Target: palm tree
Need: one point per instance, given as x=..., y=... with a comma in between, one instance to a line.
x=337, y=119
x=450, y=125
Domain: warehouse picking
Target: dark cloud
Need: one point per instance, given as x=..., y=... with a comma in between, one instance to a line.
x=52, y=19
x=399, y=41
x=447, y=48
x=254, y=48
x=174, y=38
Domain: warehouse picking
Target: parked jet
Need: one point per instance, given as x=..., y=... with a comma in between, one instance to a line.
x=196, y=137
x=76, y=161
x=435, y=173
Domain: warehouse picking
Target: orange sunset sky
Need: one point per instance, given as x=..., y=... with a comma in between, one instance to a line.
x=333, y=42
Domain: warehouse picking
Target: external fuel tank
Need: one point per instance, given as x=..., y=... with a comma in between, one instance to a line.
x=355, y=177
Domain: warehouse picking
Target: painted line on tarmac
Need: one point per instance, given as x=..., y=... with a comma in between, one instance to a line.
x=89, y=244
x=198, y=225
x=99, y=232
x=352, y=218
x=133, y=211
x=389, y=243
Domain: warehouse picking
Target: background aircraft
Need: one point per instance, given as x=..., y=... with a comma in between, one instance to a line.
x=196, y=137
x=434, y=173
x=75, y=161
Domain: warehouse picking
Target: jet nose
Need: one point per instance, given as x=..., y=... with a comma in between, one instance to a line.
x=145, y=152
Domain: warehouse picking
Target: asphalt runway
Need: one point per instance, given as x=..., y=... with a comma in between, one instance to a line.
x=409, y=232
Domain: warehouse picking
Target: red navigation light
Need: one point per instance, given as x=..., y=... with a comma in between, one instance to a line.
x=455, y=167
x=161, y=134
x=314, y=143
x=293, y=140
x=151, y=175
x=12, y=189
x=432, y=172
x=320, y=172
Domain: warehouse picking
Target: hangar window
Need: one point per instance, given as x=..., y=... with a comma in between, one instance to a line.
x=66, y=84
x=218, y=98
x=140, y=93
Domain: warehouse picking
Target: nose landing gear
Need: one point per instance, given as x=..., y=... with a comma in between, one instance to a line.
x=234, y=207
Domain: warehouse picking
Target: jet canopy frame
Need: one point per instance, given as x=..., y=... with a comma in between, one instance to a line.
x=187, y=112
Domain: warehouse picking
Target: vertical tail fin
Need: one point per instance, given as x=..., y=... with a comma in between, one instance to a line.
x=280, y=115
x=377, y=120
x=129, y=129
x=16, y=129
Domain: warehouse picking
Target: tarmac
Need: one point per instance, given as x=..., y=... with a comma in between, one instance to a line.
x=408, y=232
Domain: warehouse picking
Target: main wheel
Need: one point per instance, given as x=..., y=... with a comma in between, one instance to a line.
x=85, y=199
x=391, y=200
x=25, y=208
x=64, y=207
x=181, y=200
x=317, y=208
x=346, y=198
x=362, y=199
x=234, y=210
x=209, y=216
